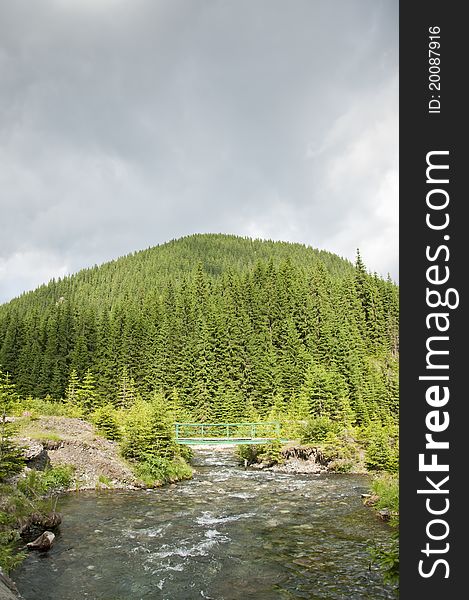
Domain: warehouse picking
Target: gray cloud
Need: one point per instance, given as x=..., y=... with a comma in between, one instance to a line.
x=126, y=123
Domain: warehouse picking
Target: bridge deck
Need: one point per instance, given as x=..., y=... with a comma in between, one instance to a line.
x=226, y=433
x=214, y=441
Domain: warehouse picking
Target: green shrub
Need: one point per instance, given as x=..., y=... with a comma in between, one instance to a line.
x=31, y=484
x=42, y=407
x=42, y=436
x=341, y=465
x=317, y=429
x=387, y=557
x=271, y=453
x=340, y=451
x=9, y=557
x=16, y=506
x=106, y=421
x=185, y=452
x=11, y=455
x=382, y=449
x=386, y=488
x=39, y=483
x=146, y=432
x=157, y=470
x=256, y=453
x=58, y=478
x=248, y=452
x=336, y=447
x=292, y=429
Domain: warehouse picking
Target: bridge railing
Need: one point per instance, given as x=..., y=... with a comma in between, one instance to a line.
x=243, y=430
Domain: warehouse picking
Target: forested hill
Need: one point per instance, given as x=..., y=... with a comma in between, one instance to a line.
x=148, y=271
x=224, y=327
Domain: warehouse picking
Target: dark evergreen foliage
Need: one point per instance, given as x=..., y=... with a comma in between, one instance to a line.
x=230, y=327
x=11, y=455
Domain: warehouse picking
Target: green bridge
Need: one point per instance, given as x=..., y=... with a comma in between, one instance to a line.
x=226, y=433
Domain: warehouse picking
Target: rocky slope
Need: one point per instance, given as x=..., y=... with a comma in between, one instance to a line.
x=68, y=441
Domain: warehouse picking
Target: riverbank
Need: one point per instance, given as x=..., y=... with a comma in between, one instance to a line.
x=63, y=441
x=64, y=454
x=8, y=589
x=59, y=454
x=301, y=459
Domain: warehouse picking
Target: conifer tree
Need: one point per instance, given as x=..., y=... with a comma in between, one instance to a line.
x=106, y=421
x=279, y=409
x=80, y=358
x=72, y=392
x=203, y=385
x=147, y=431
x=11, y=343
x=299, y=407
x=11, y=457
x=87, y=397
x=126, y=395
x=104, y=363
x=318, y=391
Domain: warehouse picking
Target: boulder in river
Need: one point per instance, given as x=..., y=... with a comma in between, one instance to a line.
x=43, y=542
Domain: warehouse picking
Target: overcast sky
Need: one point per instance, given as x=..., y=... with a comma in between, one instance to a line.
x=127, y=123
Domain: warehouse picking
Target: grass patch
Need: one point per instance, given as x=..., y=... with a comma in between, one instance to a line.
x=46, y=407
x=157, y=470
x=104, y=482
x=52, y=480
x=386, y=487
x=13, y=504
x=58, y=478
x=27, y=427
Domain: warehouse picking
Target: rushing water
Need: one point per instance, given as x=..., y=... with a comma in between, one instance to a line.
x=228, y=534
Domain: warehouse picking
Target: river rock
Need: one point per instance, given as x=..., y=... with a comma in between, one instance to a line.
x=385, y=514
x=370, y=499
x=43, y=543
x=35, y=454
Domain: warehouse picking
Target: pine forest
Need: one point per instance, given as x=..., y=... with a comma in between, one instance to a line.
x=221, y=328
